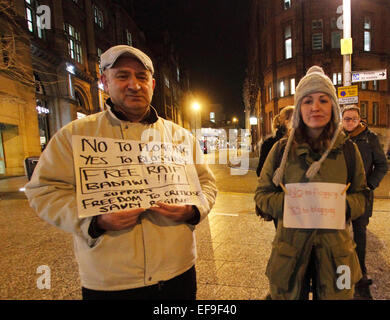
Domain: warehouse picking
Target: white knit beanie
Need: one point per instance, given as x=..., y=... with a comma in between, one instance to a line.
x=314, y=81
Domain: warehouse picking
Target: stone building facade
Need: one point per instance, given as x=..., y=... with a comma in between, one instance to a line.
x=287, y=37
x=59, y=55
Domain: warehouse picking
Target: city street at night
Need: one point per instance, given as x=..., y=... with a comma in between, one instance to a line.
x=233, y=245
x=132, y=134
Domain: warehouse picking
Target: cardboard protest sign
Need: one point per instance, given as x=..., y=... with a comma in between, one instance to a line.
x=314, y=205
x=114, y=175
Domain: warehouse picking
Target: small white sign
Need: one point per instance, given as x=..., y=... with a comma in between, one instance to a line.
x=358, y=76
x=349, y=100
x=314, y=205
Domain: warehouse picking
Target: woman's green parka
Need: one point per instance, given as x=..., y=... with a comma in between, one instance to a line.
x=292, y=247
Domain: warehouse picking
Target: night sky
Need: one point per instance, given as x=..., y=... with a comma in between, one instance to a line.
x=211, y=36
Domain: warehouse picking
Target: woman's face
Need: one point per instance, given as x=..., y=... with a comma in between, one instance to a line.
x=316, y=112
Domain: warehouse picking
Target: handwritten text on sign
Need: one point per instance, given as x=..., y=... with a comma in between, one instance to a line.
x=314, y=205
x=115, y=175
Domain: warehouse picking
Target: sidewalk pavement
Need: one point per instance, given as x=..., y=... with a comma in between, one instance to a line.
x=233, y=250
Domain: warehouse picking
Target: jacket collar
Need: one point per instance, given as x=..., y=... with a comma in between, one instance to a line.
x=150, y=118
x=358, y=130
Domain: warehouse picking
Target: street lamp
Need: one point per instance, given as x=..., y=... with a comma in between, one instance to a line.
x=196, y=106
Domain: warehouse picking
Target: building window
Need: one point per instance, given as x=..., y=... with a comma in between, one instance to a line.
x=375, y=86
x=129, y=38
x=281, y=88
x=336, y=34
x=316, y=24
x=336, y=37
x=79, y=3
x=287, y=42
x=99, y=54
x=316, y=41
x=367, y=34
x=33, y=21
x=166, y=80
x=271, y=119
x=74, y=43
x=337, y=78
x=364, y=85
x=363, y=109
x=292, y=86
x=98, y=16
x=375, y=110
x=177, y=74
x=316, y=37
x=388, y=115
x=269, y=92
x=212, y=117
x=286, y=4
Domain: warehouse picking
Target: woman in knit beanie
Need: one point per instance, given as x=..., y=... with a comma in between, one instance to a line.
x=313, y=152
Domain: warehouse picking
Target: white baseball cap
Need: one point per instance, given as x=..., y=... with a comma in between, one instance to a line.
x=108, y=58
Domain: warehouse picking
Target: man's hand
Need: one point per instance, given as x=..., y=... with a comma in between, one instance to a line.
x=177, y=213
x=121, y=220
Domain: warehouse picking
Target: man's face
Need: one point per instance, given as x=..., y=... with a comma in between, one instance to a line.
x=130, y=86
x=351, y=120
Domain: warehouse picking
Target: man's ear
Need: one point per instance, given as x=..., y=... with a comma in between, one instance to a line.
x=154, y=83
x=104, y=80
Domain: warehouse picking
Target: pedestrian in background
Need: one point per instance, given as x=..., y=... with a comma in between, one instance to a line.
x=375, y=166
x=280, y=125
x=313, y=152
x=136, y=253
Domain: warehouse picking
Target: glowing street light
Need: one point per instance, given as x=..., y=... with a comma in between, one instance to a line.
x=196, y=106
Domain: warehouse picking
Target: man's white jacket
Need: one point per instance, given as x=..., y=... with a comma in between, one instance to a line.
x=155, y=249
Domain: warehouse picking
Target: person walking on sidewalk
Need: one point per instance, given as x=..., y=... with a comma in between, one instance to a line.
x=375, y=166
x=281, y=125
x=134, y=253
x=313, y=153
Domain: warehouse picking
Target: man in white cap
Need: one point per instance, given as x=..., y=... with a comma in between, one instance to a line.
x=135, y=253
